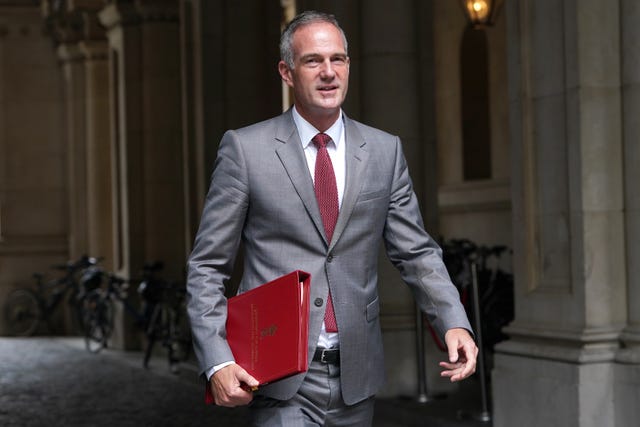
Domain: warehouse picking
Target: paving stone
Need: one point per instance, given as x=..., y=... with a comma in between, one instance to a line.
x=52, y=382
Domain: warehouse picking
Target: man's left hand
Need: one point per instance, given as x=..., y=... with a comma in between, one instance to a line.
x=462, y=355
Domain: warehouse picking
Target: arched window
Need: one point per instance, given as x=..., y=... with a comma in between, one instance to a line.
x=474, y=82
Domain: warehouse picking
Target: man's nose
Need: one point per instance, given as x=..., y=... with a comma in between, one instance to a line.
x=327, y=70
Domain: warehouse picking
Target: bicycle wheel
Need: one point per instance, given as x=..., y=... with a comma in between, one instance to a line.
x=97, y=322
x=179, y=338
x=76, y=308
x=23, y=312
x=153, y=331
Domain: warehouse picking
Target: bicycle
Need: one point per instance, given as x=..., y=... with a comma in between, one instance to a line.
x=26, y=309
x=495, y=286
x=97, y=309
x=167, y=321
x=161, y=316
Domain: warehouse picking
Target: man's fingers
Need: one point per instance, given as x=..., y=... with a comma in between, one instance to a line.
x=244, y=377
x=452, y=347
x=462, y=353
x=453, y=354
x=455, y=372
x=228, y=386
x=459, y=370
x=454, y=338
x=231, y=395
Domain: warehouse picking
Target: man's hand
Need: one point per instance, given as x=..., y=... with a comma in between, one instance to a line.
x=231, y=386
x=462, y=355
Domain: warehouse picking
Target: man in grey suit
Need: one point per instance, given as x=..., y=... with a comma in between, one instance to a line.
x=316, y=191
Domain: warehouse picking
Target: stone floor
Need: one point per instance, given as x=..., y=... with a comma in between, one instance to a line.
x=55, y=382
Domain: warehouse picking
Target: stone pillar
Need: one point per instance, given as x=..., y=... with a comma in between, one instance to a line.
x=98, y=151
x=74, y=27
x=630, y=13
x=123, y=34
x=162, y=164
x=567, y=190
x=144, y=56
x=196, y=166
x=627, y=392
x=74, y=91
x=146, y=138
x=75, y=24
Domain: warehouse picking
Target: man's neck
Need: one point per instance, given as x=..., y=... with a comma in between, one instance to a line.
x=322, y=122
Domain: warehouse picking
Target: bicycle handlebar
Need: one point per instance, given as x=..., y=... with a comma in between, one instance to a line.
x=84, y=261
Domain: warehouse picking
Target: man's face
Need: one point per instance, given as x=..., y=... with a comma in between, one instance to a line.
x=320, y=76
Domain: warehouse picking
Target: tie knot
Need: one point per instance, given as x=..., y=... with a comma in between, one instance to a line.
x=321, y=140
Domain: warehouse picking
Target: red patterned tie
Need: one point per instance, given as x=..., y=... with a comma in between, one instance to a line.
x=327, y=195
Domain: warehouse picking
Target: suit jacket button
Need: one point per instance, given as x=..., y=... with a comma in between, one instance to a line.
x=318, y=302
x=330, y=258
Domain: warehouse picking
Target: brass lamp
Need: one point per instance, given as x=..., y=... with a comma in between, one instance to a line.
x=481, y=13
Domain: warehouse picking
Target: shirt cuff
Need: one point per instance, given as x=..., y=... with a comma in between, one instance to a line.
x=216, y=368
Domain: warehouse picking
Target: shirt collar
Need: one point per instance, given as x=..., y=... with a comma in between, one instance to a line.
x=307, y=131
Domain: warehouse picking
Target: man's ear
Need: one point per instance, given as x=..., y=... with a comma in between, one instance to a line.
x=285, y=73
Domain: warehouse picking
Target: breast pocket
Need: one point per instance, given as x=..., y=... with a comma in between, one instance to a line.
x=373, y=310
x=372, y=195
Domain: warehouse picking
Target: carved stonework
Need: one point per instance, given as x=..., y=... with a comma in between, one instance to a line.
x=94, y=50
x=69, y=21
x=158, y=10
x=131, y=12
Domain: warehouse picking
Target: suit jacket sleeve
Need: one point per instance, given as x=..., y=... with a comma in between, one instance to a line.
x=211, y=261
x=418, y=257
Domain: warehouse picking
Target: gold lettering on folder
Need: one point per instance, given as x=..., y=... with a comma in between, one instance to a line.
x=255, y=337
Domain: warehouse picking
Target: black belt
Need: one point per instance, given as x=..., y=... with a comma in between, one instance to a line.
x=327, y=355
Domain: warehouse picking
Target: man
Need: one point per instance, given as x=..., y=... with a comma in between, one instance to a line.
x=323, y=204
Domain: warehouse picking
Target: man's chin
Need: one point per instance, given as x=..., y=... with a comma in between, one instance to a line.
x=330, y=103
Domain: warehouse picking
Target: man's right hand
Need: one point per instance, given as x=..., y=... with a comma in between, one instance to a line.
x=231, y=386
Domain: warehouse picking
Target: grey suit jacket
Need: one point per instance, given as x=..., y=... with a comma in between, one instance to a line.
x=261, y=192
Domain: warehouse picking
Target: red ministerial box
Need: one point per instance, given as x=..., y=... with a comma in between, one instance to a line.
x=268, y=328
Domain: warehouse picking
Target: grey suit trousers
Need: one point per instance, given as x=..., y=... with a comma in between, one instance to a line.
x=318, y=402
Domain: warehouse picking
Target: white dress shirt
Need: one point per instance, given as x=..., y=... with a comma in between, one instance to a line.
x=336, y=150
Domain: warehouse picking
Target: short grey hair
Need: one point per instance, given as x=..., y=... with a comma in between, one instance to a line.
x=305, y=18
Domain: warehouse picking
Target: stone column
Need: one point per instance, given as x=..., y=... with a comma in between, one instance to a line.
x=196, y=166
x=627, y=392
x=98, y=151
x=162, y=163
x=146, y=136
x=630, y=14
x=74, y=80
x=143, y=38
x=123, y=33
x=567, y=190
x=73, y=26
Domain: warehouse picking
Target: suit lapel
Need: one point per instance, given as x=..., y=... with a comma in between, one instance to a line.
x=356, y=161
x=295, y=163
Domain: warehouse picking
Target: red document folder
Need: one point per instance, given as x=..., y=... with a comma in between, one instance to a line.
x=268, y=328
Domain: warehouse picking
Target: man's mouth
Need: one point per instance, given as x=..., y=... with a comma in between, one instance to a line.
x=327, y=88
